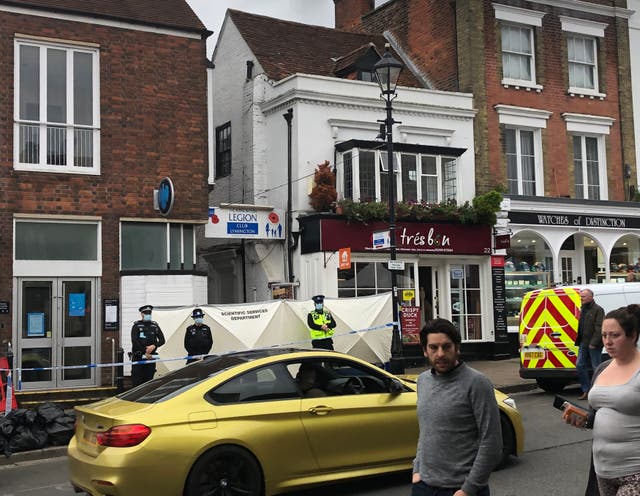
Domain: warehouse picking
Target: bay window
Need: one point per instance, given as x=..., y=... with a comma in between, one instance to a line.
x=423, y=173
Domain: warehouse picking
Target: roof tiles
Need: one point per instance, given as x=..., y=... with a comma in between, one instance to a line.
x=174, y=14
x=284, y=48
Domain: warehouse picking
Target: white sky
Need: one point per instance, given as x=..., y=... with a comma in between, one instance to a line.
x=211, y=12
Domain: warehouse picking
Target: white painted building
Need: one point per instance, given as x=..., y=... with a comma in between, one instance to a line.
x=324, y=84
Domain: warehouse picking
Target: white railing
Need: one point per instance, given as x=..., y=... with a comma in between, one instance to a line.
x=60, y=150
x=29, y=144
x=83, y=147
x=56, y=145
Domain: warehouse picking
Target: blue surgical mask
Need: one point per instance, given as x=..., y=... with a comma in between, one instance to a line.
x=318, y=306
x=146, y=317
x=199, y=320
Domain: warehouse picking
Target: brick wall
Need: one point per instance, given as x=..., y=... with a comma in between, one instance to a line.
x=457, y=44
x=551, y=72
x=153, y=124
x=427, y=31
x=349, y=12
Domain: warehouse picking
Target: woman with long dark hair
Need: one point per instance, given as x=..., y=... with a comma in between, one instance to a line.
x=614, y=404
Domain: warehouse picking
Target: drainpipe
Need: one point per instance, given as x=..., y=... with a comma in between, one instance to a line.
x=243, y=254
x=288, y=116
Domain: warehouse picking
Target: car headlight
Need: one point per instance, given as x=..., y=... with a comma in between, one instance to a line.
x=511, y=402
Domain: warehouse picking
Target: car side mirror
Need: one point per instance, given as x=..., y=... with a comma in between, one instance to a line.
x=395, y=386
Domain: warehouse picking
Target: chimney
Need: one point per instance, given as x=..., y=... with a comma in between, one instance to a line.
x=349, y=13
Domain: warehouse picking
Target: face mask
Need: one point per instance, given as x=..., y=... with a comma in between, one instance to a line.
x=146, y=317
x=199, y=320
x=319, y=306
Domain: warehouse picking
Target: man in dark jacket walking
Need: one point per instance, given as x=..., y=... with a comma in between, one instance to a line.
x=589, y=339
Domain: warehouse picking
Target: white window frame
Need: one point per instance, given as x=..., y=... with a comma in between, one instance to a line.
x=53, y=268
x=602, y=165
x=411, y=267
x=527, y=19
x=536, y=146
x=596, y=127
x=528, y=119
x=380, y=165
x=166, y=225
x=439, y=176
x=42, y=124
x=580, y=28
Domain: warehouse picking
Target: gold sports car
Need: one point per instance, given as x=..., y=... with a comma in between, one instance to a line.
x=254, y=423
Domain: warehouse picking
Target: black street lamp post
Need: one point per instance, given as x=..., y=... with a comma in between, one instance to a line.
x=388, y=71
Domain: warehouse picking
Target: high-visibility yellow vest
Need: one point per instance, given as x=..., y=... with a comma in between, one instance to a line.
x=320, y=319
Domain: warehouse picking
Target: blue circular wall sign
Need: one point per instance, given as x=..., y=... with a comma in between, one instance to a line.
x=166, y=195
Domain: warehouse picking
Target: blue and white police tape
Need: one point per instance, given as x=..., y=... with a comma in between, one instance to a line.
x=187, y=357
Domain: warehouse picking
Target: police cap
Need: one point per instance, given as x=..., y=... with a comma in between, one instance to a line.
x=145, y=309
x=197, y=312
x=318, y=299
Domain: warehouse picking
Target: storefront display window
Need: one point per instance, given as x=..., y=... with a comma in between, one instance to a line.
x=528, y=266
x=369, y=278
x=625, y=259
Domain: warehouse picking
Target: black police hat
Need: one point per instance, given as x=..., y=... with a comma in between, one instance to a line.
x=318, y=299
x=197, y=312
x=145, y=309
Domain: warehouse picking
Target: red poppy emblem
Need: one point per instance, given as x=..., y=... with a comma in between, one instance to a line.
x=273, y=218
x=214, y=219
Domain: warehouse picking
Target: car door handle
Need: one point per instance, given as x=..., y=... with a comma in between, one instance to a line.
x=320, y=410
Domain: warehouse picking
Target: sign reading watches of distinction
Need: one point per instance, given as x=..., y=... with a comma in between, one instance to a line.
x=572, y=220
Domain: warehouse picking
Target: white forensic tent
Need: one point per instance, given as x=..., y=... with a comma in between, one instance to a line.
x=363, y=327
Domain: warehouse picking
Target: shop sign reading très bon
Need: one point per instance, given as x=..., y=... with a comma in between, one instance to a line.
x=411, y=237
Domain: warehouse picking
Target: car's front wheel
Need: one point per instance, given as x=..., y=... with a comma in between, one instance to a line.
x=225, y=471
x=508, y=441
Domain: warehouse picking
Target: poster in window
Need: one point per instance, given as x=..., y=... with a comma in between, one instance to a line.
x=35, y=324
x=111, y=313
x=410, y=322
x=77, y=305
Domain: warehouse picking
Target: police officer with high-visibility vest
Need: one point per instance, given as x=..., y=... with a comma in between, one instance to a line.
x=321, y=325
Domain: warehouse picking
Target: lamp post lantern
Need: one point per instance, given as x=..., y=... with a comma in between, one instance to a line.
x=388, y=71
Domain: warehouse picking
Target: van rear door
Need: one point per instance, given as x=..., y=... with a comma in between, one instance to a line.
x=548, y=329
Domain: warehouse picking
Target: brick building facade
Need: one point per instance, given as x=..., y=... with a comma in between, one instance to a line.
x=101, y=102
x=551, y=82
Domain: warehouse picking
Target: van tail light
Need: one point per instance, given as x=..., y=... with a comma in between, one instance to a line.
x=123, y=436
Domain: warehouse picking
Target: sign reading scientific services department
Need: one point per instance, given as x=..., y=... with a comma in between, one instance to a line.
x=245, y=223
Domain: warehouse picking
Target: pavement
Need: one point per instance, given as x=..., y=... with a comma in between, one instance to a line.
x=503, y=374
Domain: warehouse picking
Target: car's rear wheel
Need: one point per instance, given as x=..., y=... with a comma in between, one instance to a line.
x=508, y=440
x=225, y=471
x=552, y=385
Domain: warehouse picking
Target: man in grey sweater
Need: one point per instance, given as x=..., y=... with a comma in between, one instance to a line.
x=460, y=440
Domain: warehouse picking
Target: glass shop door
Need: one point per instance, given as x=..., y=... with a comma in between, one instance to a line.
x=57, y=328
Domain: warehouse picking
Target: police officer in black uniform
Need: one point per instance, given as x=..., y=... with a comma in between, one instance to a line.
x=146, y=338
x=197, y=339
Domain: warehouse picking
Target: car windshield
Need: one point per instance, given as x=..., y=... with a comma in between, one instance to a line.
x=169, y=385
